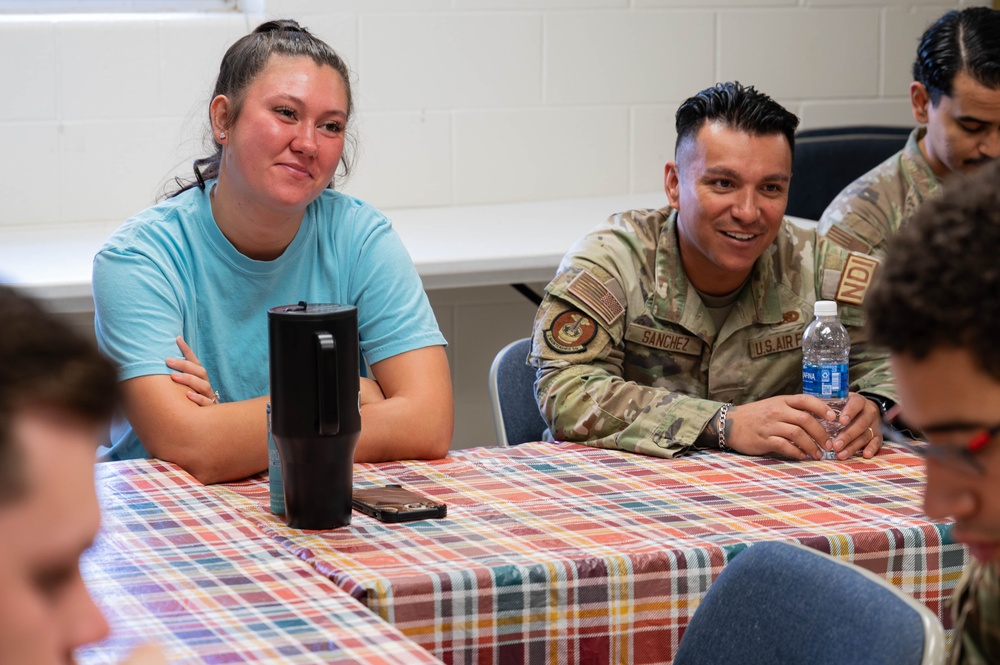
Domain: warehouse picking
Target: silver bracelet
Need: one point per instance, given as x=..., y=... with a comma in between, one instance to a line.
x=722, y=426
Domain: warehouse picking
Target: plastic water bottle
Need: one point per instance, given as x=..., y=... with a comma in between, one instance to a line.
x=826, y=349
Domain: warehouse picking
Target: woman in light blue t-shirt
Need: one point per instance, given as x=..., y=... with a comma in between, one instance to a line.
x=261, y=226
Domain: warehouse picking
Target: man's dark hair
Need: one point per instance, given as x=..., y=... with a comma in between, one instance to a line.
x=44, y=363
x=967, y=40
x=939, y=286
x=740, y=107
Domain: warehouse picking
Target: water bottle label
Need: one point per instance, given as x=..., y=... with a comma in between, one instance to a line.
x=825, y=381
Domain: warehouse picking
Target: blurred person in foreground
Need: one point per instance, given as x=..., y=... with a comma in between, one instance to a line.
x=936, y=306
x=955, y=96
x=681, y=328
x=57, y=395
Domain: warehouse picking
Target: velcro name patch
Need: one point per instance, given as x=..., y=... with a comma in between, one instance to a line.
x=855, y=278
x=663, y=340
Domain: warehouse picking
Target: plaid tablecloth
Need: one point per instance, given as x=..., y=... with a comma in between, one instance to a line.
x=560, y=553
x=173, y=564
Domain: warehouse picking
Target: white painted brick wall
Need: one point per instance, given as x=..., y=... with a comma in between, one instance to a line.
x=459, y=101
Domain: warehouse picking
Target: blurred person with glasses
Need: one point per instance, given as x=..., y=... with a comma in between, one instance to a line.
x=936, y=307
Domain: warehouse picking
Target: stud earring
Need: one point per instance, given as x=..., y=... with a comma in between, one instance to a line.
x=222, y=135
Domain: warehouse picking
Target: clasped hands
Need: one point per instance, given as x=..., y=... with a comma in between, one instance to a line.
x=786, y=425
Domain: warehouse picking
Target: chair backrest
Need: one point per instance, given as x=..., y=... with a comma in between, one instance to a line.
x=828, y=160
x=784, y=603
x=516, y=418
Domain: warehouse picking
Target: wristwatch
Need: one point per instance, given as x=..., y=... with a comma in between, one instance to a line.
x=883, y=403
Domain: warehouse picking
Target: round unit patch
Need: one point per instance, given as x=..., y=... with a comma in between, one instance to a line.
x=570, y=332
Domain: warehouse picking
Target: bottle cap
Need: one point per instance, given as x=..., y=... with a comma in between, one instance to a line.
x=825, y=308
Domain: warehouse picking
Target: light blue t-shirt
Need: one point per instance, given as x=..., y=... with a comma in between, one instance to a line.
x=169, y=271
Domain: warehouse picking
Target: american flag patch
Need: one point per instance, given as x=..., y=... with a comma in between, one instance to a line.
x=592, y=292
x=846, y=240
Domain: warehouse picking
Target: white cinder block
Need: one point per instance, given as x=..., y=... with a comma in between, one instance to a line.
x=902, y=29
x=296, y=8
x=191, y=50
x=950, y=4
x=188, y=138
x=113, y=169
x=444, y=61
x=627, y=57
x=819, y=53
x=540, y=4
x=653, y=138
x=28, y=73
x=340, y=31
x=30, y=173
x=701, y=4
x=108, y=67
x=886, y=112
x=403, y=159
x=524, y=155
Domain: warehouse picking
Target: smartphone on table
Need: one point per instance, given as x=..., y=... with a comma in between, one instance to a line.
x=392, y=503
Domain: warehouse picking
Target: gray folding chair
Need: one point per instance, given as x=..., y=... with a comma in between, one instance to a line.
x=516, y=418
x=785, y=603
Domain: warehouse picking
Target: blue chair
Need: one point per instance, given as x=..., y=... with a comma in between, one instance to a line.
x=784, y=603
x=516, y=418
x=828, y=160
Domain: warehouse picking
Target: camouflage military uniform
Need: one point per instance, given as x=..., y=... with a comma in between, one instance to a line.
x=976, y=611
x=628, y=356
x=871, y=209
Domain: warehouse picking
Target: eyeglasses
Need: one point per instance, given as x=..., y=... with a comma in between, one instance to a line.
x=959, y=458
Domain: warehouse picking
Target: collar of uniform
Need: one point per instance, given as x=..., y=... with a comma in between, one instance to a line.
x=916, y=170
x=760, y=301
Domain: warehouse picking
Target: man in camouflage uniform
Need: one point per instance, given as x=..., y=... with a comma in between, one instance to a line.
x=936, y=306
x=659, y=321
x=956, y=95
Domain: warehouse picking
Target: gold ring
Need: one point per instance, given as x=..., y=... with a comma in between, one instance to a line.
x=872, y=433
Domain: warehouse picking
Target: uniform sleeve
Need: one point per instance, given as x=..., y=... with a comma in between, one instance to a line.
x=578, y=350
x=846, y=278
x=856, y=221
x=869, y=365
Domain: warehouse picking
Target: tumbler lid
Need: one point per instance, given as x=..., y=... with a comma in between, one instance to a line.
x=304, y=310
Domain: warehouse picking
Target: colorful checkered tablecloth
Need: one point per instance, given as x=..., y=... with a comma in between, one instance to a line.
x=174, y=565
x=560, y=553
